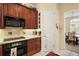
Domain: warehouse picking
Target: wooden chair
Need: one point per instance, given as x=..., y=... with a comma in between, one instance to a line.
x=72, y=39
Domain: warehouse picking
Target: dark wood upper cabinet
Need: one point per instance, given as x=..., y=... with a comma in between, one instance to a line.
x=18, y=10
x=10, y=9
x=28, y=20
x=26, y=16
x=34, y=19
x=5, y=9
x=1, y=15
x=29, y=15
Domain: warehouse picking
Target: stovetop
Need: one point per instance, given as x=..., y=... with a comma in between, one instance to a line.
x=16, y=38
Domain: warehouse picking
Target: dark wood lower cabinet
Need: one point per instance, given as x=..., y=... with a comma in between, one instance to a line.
x=1, y=50
x=33, y=46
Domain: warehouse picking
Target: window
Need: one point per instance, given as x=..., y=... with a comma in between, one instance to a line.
x=74, y=25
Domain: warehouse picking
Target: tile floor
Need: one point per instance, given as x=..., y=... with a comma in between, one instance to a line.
x=66, y=53
x=59, y=52
x=41, y=53
x=73, y=48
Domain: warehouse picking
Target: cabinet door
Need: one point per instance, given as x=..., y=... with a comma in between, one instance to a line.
x=31, y=19
x=11, y=9
x=1, y=15
x=33, y=46
x=37, y=44
x=5, y=9
x=1, y=50
x=27, y=18
x=34, y=20
x=30, y=47
x=24, y=13
x=20, y=11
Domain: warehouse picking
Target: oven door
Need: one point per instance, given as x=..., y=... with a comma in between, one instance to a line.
x=21, y=51
x=14, y=49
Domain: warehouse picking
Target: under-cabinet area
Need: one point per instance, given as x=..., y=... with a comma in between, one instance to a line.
x=21, y=48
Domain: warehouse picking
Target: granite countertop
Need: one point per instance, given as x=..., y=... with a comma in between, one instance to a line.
x=21, y=39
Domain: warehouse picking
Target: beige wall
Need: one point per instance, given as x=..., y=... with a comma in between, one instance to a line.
x=1, y=35
x=61, y=24
x=69, y=6
x=64, y=7
x=67, y=26
x=30, y=4
x=47, y=6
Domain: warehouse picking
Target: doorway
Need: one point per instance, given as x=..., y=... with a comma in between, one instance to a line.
x=71, y=24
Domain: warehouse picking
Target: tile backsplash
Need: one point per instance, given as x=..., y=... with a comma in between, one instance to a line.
x=1, y=35
x=15, y=32
x=18, y=32
x=12, y=31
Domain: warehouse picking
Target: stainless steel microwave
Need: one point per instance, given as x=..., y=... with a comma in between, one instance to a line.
x=13, y=22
